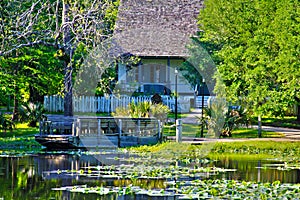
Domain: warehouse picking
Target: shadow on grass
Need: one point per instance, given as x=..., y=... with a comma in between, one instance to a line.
x=287, y=122
x=19, y=131
x=193, y=130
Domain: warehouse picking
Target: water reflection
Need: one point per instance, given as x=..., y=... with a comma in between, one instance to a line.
x=28, y=177
x=254, y=170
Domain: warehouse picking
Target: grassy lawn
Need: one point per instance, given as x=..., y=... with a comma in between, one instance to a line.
x=193, y=130
x=280, y=150
x=21, y=129
x=253, y=133
x=188, y=130
x=287, y=121
x=21, y=138
x=289, y=151
x=179, y=115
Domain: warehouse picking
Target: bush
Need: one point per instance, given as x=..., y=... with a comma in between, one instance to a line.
x=6, y=123
x=233, y=119
x=159, y=111
x=31, y=113
x=143, y=109
x=221, y=120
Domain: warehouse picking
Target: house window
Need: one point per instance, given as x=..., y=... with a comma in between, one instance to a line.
x=132, y=74
x=154, y=73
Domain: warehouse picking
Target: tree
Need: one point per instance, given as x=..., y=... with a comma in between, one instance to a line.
x=259, y=51
x=30, y=76
x=59, y=24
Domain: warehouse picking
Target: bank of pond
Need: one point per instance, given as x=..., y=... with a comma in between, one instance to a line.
x=165, y=171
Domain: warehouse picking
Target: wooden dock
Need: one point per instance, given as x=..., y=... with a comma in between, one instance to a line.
x=59, y=132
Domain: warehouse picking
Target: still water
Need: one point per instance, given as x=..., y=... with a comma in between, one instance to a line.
x=29, y=177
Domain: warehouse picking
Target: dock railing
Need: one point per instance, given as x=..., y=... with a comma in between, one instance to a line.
x=118, y=129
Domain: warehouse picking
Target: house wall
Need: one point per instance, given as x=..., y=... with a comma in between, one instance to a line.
x=154, y=70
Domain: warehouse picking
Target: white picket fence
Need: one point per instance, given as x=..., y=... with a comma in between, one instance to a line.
x=108, y=104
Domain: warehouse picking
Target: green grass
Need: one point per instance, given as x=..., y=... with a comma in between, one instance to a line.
x=253, y=133
x=179, y=115
x=287, y=121
x=21, y=129
x=21, y=138
x=289, y=151
x=272, y=148
x=193, y=130
x=188, y=130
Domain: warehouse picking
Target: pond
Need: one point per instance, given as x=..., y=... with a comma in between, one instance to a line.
x=53, y=176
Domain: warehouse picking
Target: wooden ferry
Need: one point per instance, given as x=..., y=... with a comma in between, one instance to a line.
x=82, y=132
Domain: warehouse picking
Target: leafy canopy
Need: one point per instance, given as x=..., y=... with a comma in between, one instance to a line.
x=258, y=55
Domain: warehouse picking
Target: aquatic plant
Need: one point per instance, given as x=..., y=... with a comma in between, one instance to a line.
x=202, y=189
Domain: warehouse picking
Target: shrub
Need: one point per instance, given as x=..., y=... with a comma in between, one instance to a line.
x=220, y=120
x=6, y=123
x=31, y=113
x=159, y=111
x=143, y=109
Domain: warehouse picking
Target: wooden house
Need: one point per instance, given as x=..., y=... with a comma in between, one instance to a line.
x=157, y=32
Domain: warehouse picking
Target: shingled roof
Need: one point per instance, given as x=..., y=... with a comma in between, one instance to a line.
x=156, y=28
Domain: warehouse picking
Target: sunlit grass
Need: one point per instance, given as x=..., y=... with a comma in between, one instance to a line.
x=193, y=130
x=188, y=130
x=21, y=129
x=253, y=133
x=179, y=115
x=289, y=151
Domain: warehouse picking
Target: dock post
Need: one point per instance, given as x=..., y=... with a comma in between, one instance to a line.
x=178, y=130
x=99, y=127
x=159, y=130
x=138, y=127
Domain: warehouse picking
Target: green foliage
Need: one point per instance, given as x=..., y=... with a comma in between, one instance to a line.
x=35, y=72
x=32, y=113
x=221, y=120
x=143, y=109
x=214, y=117
x=159, y=111
x=257, y=51
x=64, y=30
x=6, y=123
x=233, y=119
x=281, y=150
x=111, y=14
x=288, y=122
x=121, y=112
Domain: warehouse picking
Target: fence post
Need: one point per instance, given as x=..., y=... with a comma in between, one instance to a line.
x=178, y=130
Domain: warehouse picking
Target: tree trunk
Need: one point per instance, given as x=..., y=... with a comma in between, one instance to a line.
x=298, y=113
x=68, y=95
x=259, y=126
x=15, y=115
